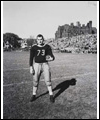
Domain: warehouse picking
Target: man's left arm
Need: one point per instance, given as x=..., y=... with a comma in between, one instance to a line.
x=50, y=56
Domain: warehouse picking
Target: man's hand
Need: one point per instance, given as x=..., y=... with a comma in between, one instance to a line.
x=49, y=58
x=32, y=70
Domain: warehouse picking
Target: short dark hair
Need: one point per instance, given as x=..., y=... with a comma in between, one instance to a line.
x=40, y=35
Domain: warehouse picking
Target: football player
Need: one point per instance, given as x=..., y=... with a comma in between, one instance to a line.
x=40, y=55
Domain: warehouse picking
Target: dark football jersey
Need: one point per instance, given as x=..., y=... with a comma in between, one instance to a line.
x=39, y=53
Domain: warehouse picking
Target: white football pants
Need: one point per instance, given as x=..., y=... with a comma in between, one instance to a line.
x=39, y=68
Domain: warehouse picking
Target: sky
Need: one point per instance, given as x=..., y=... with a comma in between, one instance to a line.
x=30, y=18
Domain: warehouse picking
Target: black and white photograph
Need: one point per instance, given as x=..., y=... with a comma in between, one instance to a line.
x=49, y=59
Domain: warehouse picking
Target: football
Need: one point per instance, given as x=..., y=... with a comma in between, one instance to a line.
x=48, y=57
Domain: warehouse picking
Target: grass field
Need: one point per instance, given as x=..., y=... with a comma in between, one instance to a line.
x=74, y=82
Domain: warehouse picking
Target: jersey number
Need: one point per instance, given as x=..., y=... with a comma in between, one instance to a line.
x=42, y=52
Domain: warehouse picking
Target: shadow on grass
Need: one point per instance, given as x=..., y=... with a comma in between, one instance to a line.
x=61, y=87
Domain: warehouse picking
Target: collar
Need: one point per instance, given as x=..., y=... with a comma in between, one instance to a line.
x=40, y=45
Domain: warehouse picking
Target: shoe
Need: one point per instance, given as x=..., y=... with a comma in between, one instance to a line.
x=33, y=98
x=52, y=99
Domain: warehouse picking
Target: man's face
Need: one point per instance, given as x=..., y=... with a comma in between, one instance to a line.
x=39, y=40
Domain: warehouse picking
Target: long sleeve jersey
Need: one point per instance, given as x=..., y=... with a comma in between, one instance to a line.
x=39, y=54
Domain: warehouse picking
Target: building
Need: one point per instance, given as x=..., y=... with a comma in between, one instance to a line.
x=71, y=30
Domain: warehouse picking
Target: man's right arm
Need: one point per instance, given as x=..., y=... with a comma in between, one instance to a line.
x=32, y=71
x=32, y=54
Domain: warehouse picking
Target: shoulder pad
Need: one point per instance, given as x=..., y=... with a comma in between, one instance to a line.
x=47, y=45
x=34, y=45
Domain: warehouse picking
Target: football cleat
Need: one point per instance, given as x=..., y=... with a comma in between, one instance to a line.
x=33, y=98
x=52, y=99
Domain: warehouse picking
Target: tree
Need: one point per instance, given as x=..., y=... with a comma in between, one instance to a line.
x=31, y=41
x=13, y=39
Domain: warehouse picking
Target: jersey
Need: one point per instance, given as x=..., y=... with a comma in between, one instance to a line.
x=39, y=53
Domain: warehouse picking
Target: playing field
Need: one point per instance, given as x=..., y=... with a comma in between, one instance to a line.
x=74, y=82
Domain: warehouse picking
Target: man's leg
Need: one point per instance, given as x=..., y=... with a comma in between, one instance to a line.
x=47, y=77
x=37, y=68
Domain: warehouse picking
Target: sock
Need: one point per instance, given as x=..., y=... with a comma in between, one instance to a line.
x=50, y=90
x=34, y=90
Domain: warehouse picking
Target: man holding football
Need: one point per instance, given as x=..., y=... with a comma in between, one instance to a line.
x=41, y=54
